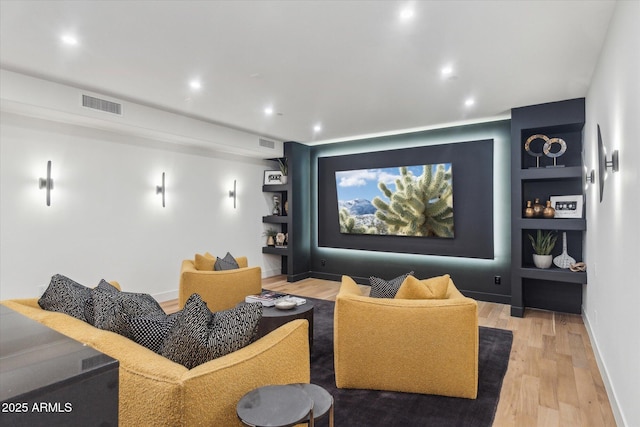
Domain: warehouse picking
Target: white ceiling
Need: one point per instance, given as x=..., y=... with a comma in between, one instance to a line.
x=353, y=66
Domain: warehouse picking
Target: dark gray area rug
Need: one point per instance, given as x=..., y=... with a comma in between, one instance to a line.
x=370, y=408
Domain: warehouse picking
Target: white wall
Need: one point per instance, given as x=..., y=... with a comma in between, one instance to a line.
x=105, y=220
x=36, y=97
x=613, y=292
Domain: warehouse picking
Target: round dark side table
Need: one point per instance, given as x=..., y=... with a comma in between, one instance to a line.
x=275, y=406
x=285, y=405
x=273, y=318
x=322, y=401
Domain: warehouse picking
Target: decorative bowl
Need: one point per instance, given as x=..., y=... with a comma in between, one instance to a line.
x=285, y=305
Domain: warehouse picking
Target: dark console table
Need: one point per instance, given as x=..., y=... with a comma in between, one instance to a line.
x=49, y=379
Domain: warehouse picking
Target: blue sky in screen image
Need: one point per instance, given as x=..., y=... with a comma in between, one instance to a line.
x=363, y=183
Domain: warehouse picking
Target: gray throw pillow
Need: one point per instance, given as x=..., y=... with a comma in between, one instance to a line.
x=198, y=335
x=226, y=263
x=65, y=296
x=381, y=288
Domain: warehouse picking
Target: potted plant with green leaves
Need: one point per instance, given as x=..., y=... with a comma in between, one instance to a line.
x=543, y=244
x=284, y=168
x=270, y=233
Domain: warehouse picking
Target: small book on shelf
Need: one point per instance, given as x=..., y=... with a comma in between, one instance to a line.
x=266, y=298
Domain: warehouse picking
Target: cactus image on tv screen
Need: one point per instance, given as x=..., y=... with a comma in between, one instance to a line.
x=399, y=201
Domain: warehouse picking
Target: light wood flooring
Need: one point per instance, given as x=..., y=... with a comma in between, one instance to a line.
x=552, y=379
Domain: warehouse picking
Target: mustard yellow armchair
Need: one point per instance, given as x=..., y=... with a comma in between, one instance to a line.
x=427, y=346
x=221, y=290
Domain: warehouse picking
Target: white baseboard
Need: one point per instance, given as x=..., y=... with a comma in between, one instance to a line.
x=611, y=394
x=271, y=273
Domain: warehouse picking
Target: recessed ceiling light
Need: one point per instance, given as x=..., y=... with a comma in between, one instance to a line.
x=195, y=84
x=469, y=102
x=317, y=127
x=69, y=40
x=268, y=111
x=446, y=71
x=406, y=14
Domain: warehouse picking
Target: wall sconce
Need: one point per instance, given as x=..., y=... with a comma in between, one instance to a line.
x=614, y=163
x=160, y=189
x=232, y=193
x=47, y=183
x=591, y=177
x=604, y=164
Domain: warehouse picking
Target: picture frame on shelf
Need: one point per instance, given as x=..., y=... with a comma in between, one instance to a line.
x=272, y=177
x=567, y=206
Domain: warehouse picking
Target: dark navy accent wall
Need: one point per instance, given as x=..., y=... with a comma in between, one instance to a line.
x=475, y=277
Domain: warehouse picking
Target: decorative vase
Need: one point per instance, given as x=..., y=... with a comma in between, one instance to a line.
x=542, y=261
x=548, y=212
x=564, y=260
x=270, y=241
x=538, y=209
x=528, y=212
x=283, y=179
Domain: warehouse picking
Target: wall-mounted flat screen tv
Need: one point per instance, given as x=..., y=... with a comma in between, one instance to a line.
x=428, y=200
x=414, y=200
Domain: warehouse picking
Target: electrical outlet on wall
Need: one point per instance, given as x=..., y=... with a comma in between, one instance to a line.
x=497, y=280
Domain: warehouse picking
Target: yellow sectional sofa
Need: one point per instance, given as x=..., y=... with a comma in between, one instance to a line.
x=427, y=346
x=221, y=290
x=154, y=391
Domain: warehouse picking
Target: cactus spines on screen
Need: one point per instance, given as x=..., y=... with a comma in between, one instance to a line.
x=420, y=206
x=348, y=224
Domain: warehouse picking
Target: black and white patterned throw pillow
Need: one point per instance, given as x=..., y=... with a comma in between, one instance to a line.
x=88, y=307
x=189, y=335
x=65, y=296
x=235, y=328
x=111, y=311
x=151, y=330
x=381, y=288
x=198, y=335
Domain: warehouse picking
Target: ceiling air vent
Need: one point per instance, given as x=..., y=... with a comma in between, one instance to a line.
x=101, y=105
x=266, y=143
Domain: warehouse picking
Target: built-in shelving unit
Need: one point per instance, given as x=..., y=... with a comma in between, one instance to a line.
x=274, y=219
x=281, y=222
x=276, y=251
x=554, y=288
x=294, y=221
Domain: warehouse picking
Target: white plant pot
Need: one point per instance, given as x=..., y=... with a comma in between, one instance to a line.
x=542, y=261
x=283, y=179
